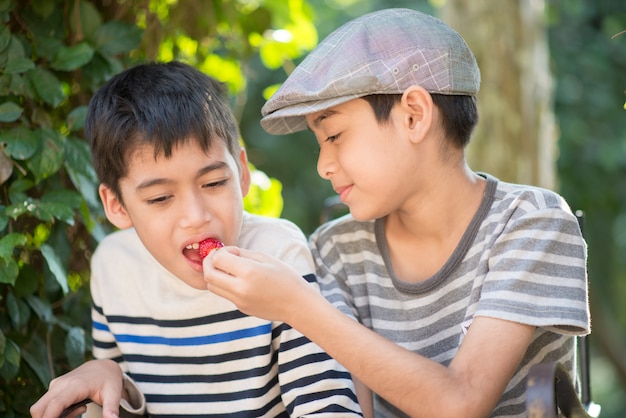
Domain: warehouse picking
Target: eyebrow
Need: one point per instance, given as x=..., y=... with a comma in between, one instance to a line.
x=325, y=114
x=218, y=165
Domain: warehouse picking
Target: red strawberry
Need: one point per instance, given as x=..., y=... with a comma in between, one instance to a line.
x=209, y=245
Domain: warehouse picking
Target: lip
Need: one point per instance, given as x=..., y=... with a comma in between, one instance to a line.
x=343, y=192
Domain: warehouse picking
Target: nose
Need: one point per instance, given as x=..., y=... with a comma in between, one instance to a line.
x=194, y=211
x=326, y=162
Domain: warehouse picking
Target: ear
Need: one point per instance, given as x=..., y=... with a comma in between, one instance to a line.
x=418, y=106
x=114, y=209
x=244, y=169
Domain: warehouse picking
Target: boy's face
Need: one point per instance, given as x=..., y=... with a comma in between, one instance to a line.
x=178, y=201
x=368, y=163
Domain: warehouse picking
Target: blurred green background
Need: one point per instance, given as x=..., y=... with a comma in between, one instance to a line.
x=55, y=53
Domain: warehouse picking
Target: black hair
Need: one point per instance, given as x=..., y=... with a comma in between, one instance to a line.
x=459, y=114
x=159, y=104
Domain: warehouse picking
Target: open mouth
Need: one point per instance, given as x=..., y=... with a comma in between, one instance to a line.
x=198, y=250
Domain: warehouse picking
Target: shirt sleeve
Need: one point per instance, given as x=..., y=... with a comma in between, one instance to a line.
x=104, y=345
x=312, y=383
x=537, y=273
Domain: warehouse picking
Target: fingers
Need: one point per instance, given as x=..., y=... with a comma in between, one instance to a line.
x=99, y=380
x=60, y=396
x=111, y=397
x=238, y=261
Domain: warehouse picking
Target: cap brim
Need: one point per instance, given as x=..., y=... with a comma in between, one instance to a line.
x=291, y=119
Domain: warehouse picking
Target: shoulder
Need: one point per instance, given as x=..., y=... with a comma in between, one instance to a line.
x=121, y=255
x=277, y=237
x=125, y=241
x=528, y=198
x=512, y=202
x=343, y=235
x=256, y=227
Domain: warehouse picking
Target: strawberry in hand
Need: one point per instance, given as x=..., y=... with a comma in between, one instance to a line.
x=209, y=245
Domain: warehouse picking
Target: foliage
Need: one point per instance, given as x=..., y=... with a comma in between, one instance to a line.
x=53, y=56
x=50, y=216
x=590, y=69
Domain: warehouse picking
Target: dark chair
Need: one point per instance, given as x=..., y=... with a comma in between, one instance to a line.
x=550, y=391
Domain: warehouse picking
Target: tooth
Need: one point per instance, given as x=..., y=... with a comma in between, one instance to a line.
x=188, y=247
x=195, y=246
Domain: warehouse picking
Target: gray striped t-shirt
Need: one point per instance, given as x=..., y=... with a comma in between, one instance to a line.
x=521, y=259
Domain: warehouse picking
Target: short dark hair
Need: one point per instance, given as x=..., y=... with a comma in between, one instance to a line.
x=159, y=104
x=459, y=113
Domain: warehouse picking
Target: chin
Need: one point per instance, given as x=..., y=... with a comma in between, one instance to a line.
x=196, y=284
x=362, y=216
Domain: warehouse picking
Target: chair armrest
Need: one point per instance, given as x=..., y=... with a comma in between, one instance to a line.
x=549, y=390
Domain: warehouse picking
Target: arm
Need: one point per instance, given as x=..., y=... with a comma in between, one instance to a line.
x=470, y=386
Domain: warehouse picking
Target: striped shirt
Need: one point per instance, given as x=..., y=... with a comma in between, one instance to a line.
x=521, y=259
x=193, y=354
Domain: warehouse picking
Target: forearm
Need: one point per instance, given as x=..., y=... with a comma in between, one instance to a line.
x=418, y=386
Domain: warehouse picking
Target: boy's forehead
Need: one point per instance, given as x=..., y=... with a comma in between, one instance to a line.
x=154, y=152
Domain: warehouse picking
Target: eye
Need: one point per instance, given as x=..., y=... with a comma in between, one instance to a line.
x=215, y=184
x=332, y=138
x=158, y=200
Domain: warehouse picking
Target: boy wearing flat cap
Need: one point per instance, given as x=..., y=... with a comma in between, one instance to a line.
x=443, y=285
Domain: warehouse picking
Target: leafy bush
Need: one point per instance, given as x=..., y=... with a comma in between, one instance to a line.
x=53, y=56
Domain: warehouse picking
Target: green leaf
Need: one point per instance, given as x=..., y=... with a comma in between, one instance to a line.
x=16, y=85
x=19, y=65
x=15, y=49
x=27, y=282
x=117, y=37
x=11, y=363
x=42, y=308
x=71, y=58
x=9, y=271
x=5, y=37
x=18, y=209
x=80, y=170
x=17, y=189
x=75, y=346
x=90, y=19
x=55, y=266
x=47, y=86
x=10, y=112
x=61, y=204
x=8, y=244
x=36, y=356
x=50, y=156
x=18, y=311
x=43, y=8
x=4, y=219
x=47, y=46
x=21, y=142
x=6, y=6
x=76, y=118
x=3, y=343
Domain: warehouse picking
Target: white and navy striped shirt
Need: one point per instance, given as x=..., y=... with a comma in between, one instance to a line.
x=521, y=259
x=193, y=354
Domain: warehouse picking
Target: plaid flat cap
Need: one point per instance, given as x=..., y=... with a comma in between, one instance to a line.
x=383, y=52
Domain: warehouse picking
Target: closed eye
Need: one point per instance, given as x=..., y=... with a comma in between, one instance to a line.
x=215, y=184
x=158, y=200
